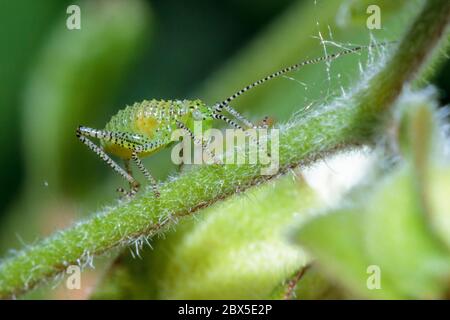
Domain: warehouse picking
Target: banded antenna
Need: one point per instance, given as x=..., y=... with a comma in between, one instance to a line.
x=219, y=107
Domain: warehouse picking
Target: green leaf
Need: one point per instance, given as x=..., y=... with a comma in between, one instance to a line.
x=389, y=227
x=398, y=239
x=438, y=203
x=336, y=241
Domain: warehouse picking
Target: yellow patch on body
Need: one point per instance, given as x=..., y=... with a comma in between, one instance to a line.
x=146, y=125
x=117, y=150
x=143, y=125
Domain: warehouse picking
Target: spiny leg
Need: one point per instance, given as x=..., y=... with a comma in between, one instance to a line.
x=232, y=123
x=199, y=141
x=131, y=193
x=136, y=149
x=243, y=119
x=133, y=189
x=122, y=139
x=239, y=116
x=146, y=173
x=82, y=134
x=225, y=103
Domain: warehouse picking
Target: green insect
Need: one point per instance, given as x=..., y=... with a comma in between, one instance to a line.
x=146, y=127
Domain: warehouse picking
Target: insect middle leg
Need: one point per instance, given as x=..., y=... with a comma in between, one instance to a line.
x=199, y=141
x=138, y=149
x=146, y=173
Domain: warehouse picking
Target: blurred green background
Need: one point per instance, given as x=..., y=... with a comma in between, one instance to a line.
x=53, y=79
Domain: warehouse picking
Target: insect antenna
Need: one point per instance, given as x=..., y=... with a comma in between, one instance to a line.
x=219, y=107
x=232, y=123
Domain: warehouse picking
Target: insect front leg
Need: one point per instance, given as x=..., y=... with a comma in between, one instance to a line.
x=199, y=141
x=83, y=134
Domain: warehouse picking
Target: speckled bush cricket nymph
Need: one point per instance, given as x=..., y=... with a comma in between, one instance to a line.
x=146, y=127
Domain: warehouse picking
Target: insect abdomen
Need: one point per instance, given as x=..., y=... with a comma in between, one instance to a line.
x=145, y=117
x=154, y=120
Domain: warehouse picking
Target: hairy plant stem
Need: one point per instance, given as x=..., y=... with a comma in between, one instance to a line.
x=349, y=120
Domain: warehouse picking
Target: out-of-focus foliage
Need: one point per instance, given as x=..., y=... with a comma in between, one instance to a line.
x=21, y=36
x=74, y=79
x=356, y=11
x=78, y=71
x=387, y=232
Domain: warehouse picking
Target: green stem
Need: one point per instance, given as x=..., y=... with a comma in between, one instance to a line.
x=425, y=32
x=347, y=121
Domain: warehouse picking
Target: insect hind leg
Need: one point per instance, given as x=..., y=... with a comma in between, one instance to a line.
x=146, y=173
x=83, y=134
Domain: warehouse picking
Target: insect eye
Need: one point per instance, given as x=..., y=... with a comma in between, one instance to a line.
x=197, y=115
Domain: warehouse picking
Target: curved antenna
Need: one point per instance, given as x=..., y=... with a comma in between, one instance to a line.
x=224, y=104
x=227, y=120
